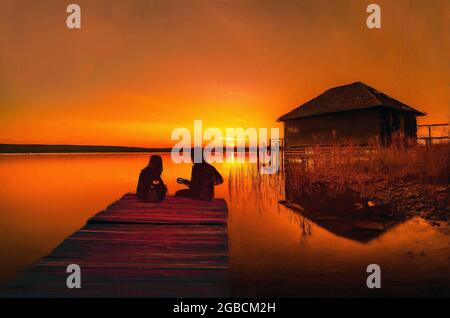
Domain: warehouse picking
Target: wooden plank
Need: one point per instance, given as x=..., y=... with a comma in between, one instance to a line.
x=171, y=211
x=176, y=248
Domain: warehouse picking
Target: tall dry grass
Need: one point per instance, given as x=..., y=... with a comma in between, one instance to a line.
x=315, y=172
x=427, y=164
x=342, y=166
x=247, y=184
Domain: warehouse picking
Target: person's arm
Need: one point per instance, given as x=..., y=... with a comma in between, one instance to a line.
x=217, y=177
x=186, y=182
x=162, y=185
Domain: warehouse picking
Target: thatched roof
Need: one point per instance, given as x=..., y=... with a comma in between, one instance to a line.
x=353, y=96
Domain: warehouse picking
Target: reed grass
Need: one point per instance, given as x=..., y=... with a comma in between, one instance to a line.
x=345, y=175
x=427, y=164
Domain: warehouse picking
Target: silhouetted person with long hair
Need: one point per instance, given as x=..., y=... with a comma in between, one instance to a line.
x=150, y=185
x=203, y=179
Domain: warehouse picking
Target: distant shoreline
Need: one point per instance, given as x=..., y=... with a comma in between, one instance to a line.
x=41, y=148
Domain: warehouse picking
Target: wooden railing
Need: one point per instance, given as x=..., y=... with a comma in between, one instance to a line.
x=429, y=139
x=327, y=151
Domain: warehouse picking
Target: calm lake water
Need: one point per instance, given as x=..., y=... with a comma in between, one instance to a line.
x=273, y=250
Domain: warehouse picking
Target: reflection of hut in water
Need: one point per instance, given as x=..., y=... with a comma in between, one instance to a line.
x=340, y=211
x=354, y=113
x=360, y=230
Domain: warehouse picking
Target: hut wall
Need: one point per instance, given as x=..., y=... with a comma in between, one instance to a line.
x=410, y=126
x=395, y=123
x=360, y=127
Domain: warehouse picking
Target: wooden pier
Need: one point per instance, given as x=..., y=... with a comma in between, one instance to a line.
x=176, y=248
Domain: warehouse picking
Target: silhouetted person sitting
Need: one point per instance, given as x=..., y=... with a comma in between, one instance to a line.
x=203, y=179
x=150, y=185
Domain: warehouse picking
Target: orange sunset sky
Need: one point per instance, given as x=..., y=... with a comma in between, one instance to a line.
x=138, y=69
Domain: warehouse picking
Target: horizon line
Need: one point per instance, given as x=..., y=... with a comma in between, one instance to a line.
x=16, y=148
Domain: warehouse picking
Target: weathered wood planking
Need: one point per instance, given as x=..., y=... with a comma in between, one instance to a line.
x=171, y=211
x=176, y=248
